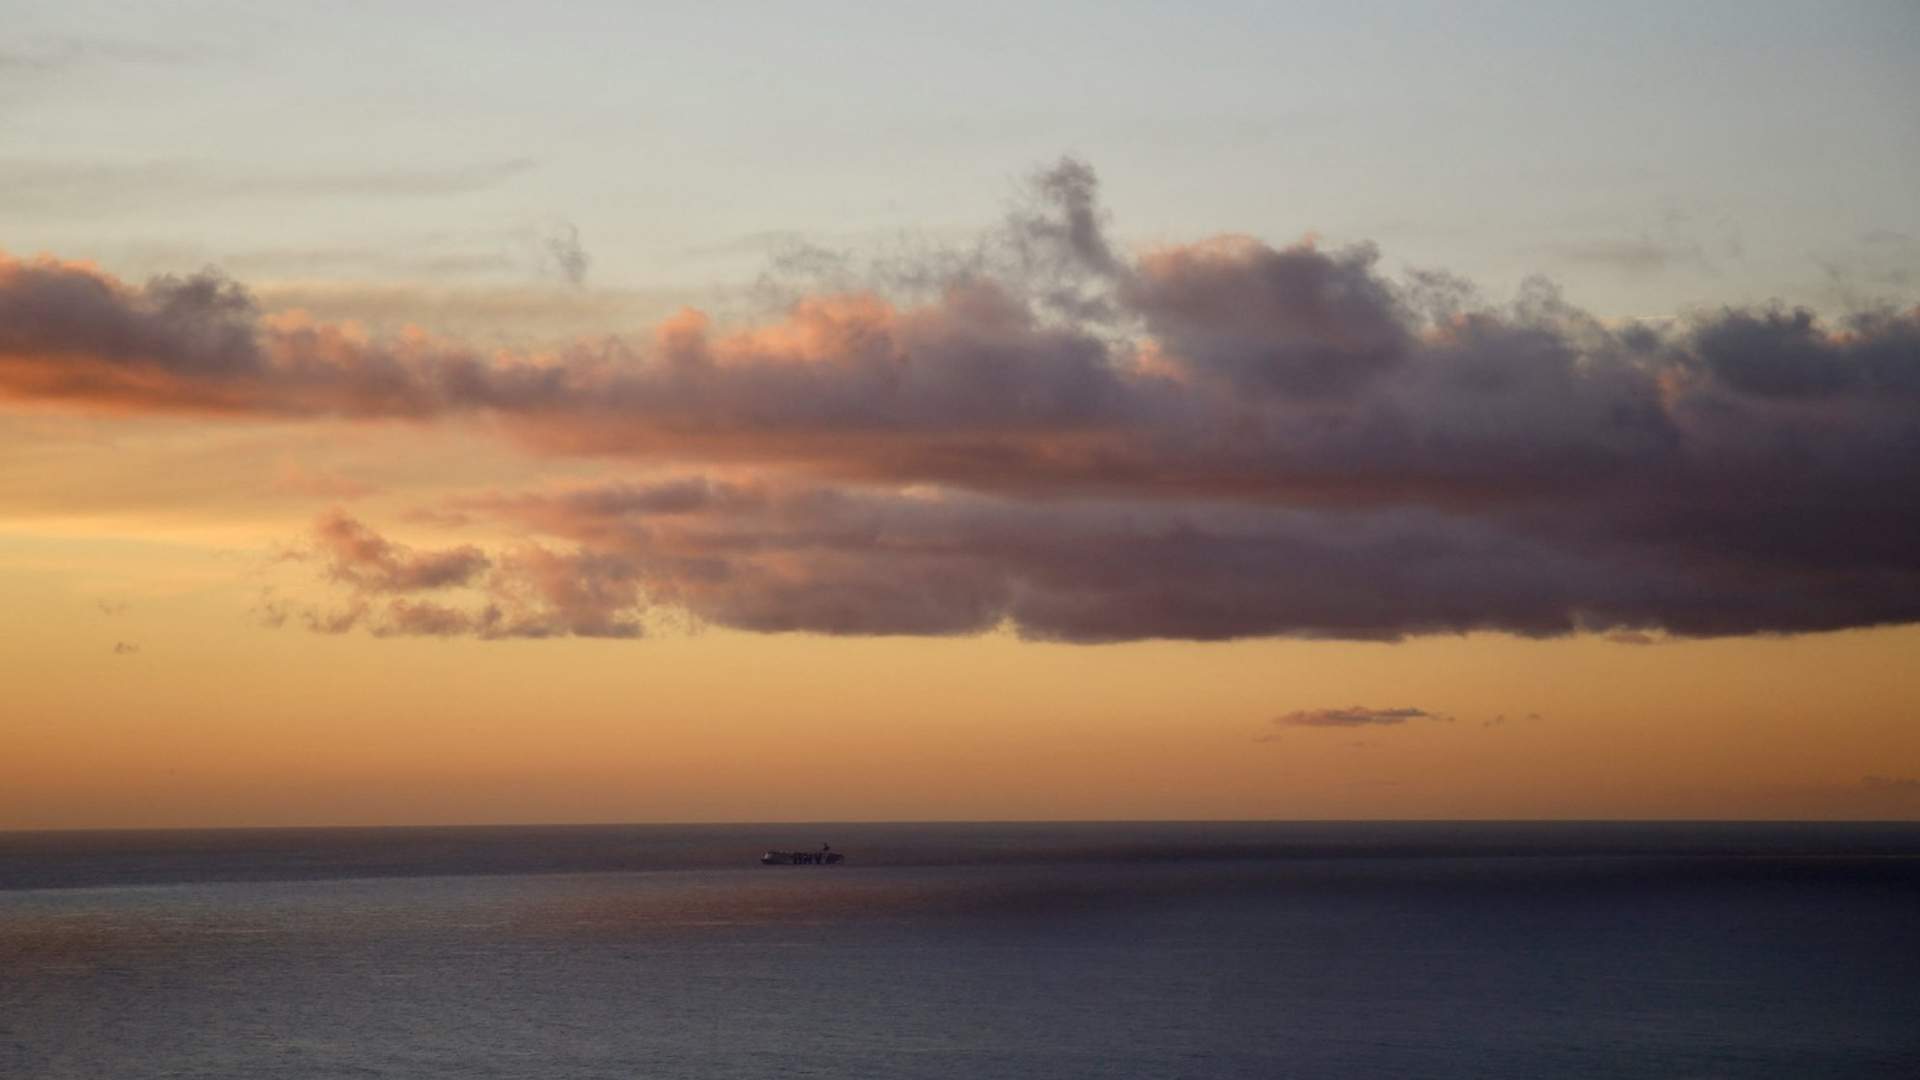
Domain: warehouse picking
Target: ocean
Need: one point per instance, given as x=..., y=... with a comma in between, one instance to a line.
x=965, y=951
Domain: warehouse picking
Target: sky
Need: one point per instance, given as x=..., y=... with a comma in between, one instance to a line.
x=599, y=413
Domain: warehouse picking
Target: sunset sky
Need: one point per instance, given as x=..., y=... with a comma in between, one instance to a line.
x=609, y=412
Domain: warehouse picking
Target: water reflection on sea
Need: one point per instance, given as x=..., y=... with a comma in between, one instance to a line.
x=965, y=951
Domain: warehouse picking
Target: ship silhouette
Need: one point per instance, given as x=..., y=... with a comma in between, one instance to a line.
x=826, y=856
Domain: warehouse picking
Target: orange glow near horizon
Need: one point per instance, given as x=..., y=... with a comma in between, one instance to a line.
x=168, y=605
x=215, y=720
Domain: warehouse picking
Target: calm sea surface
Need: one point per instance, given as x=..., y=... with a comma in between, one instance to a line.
x=1110, y=950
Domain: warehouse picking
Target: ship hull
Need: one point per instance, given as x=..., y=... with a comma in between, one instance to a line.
x=800, y=858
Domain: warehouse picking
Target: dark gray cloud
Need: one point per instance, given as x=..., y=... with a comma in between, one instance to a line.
x=1295, y=323
x=66, y=333
x=1057, y=244
x=565, y=254
x=1353, y=716
x=1212, y=440
x=1066, y=227
x=864, y=560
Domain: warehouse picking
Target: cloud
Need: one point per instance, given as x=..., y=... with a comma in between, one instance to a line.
x=429, y=264
x=1209, y=440
x=527, y=592
x=567, y=257
x=53, y=54
x=848, y=560
x=492, y=314
x=1638, y=256
x=1891, y=783
x=1065, y=227
x=369, y=563
x=1877, y=263
x=1295, y=323
x=348, y=261
x=1353, y=716
x=774, y=555
x=125, y=648
x=95, y=188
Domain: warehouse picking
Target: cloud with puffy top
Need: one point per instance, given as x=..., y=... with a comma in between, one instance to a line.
x=1211, y=440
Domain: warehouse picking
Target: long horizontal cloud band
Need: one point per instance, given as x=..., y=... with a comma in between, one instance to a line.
x=1208, y=440
x=776, y=558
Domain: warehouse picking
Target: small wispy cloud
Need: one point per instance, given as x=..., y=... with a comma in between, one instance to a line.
x=525, y=592
x=370, y=563
x=430, y=258
x=1890, y=783
x=1354, y=716
x=1636, y=256
x=91, y=188
x=125, y=648
x=53, y=54
x=565, y=254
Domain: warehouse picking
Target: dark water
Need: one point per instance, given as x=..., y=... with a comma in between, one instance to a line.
x=1147, y=950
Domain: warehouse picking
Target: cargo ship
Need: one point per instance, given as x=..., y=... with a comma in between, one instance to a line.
x=826, y=856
